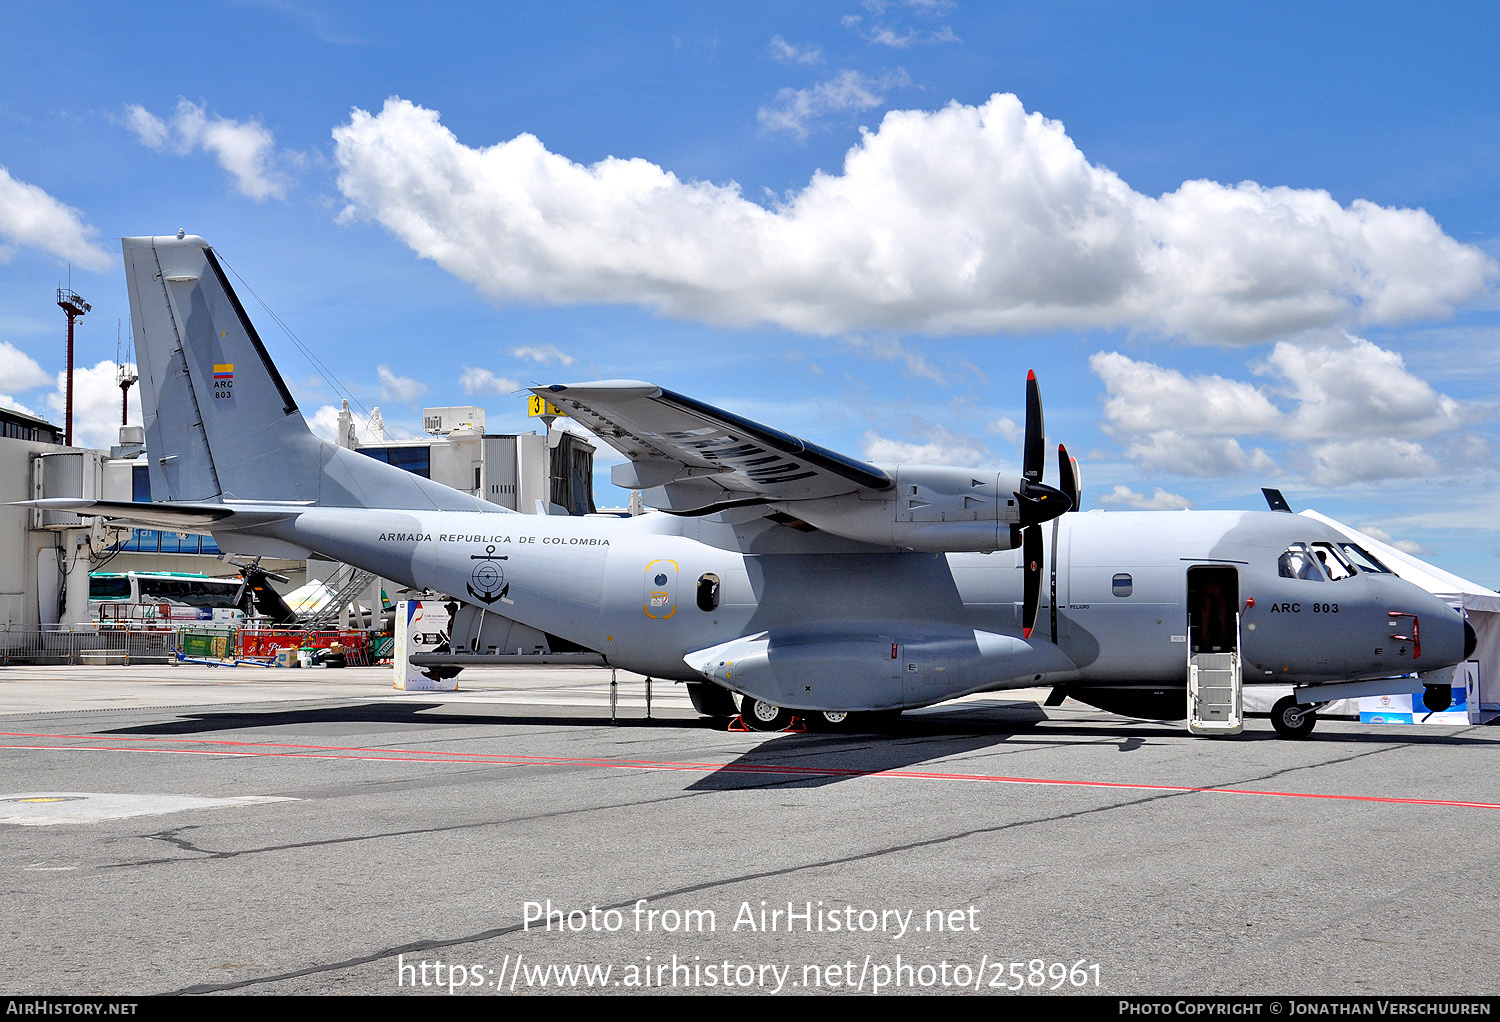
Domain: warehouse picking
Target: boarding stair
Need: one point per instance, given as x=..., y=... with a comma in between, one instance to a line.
x=1215, y=696
x=347, y=583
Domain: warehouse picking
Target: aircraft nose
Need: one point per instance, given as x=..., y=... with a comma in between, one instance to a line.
x=1471, y=640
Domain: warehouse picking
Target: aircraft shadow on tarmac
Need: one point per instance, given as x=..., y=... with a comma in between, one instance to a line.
x=417, y=715
x=813, y=759
x=800, y=759
x=948, y=722
x=794, y=760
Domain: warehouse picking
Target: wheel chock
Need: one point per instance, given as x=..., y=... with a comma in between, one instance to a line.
x=797, y=726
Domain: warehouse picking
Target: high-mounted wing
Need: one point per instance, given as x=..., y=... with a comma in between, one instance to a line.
x=689, y=456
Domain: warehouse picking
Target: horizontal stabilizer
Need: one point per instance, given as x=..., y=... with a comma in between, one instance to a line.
x=178, y=517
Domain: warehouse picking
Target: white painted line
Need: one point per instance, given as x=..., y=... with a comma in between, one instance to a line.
x=49, y=808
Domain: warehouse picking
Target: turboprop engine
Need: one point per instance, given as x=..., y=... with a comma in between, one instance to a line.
x=940, y=509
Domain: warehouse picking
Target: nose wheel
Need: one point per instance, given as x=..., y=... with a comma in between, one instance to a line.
x=1292, y=719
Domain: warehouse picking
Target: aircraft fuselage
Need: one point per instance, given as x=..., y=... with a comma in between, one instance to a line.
x=857, y=627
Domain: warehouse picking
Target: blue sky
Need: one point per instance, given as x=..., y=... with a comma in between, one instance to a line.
x=1242, y=245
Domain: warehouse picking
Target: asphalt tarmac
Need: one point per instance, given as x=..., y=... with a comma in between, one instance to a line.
x=243, y=831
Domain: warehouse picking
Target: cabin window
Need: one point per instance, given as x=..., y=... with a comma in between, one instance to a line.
x=708, y=591
x=1121, y=584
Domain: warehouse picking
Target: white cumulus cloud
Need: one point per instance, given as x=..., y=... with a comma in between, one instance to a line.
x=324, y=423
x=1348, y=461
x=887, y=29
x=96, y=404
x=794, y=110
x=1160, y=499
x=943, y=448
x=968, y=219
x=1354, y=386
x=917, y=366
x=789, y=53
x=1407, y=546
x=1145, y=397
x=31, y=218
x=482, y=381
x=398, y=388
x=1346, y=409
x=20, y=371
x=543, y=354
x=246, y=149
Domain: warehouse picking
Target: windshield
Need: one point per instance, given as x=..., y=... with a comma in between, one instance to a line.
x=1363, y=559
x=1335, y=566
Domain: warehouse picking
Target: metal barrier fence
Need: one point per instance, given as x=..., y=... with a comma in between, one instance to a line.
x=129, y=645
x=101, y=647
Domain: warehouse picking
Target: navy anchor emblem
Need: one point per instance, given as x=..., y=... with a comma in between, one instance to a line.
x=487, y=580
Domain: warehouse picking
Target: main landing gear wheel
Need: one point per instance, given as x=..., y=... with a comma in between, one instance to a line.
x=1292, y=719
x=764, y=716
x=835, y=720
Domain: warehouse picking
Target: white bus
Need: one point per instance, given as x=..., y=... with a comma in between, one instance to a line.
x=164, y=598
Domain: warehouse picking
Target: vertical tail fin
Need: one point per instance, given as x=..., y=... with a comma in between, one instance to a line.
x=220, y=421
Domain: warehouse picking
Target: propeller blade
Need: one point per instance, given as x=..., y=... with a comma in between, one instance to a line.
x=1033, y=457
x=1068, y=479
x=1032, y=542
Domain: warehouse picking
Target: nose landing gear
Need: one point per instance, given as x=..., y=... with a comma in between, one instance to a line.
x=1292, y=719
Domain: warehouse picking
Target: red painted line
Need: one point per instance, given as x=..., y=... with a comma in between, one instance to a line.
x=269, y=750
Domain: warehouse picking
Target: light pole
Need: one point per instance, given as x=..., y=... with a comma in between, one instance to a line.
x=69, y=301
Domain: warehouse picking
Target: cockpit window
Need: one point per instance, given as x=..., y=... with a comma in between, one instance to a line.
x=1333, y=562
x=1299, y=562
x=1363, y=559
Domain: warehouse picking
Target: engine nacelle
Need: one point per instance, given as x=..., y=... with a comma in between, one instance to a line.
x=932, y=509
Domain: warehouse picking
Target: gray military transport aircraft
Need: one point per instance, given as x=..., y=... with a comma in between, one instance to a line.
x=803, y=581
